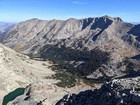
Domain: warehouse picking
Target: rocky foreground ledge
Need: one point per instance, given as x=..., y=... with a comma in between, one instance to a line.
x=116, y=92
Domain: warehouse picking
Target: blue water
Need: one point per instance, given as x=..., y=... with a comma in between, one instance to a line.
x=12, y=95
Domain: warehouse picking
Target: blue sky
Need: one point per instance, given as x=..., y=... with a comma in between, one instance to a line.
x=19, y=10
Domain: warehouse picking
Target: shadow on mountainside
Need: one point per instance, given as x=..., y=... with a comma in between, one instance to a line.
x=75, y=61
x=132, y=67
x=100, y=23
x=135, y=31
x=112, y=93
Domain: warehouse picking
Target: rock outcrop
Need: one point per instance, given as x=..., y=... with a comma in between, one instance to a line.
x=25, y=99
x=116, y=92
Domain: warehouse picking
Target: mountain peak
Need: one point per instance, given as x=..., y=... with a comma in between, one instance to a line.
x=106, y=16
x=112, y=18
x=118, y=19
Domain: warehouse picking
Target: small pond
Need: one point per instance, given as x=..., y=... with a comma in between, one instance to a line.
x=12, y=95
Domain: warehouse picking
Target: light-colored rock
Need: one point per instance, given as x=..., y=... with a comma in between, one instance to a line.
x=18, y=71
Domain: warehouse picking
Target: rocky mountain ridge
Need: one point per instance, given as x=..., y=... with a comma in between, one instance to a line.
x=73, y=43
x=78, y=34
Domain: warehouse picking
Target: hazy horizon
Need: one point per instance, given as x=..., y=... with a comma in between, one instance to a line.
x=16, y=11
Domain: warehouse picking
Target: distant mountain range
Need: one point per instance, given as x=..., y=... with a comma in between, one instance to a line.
x=4, y=26
x=135, y=22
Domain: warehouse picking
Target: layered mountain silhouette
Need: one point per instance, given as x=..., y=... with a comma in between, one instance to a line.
x=4, y=26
